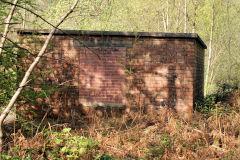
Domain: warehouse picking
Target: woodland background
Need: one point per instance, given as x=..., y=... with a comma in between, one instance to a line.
x=216, y=21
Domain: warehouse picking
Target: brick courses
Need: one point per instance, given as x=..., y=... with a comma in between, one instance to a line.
x=123, y=68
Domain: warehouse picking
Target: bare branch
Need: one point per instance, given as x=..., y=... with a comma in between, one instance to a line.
x=9, y=23
x=37, y=15
x=15, y=44
x=3, y=39
x=29, y=71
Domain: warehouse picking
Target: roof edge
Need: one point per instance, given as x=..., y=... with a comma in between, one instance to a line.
x=115, y=33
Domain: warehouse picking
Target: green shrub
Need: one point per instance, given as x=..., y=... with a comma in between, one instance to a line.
x=223, y=92
x=206, y=105
x=57, y=146
x=68, y=146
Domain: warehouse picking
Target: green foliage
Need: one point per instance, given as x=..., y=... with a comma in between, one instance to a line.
x=206, y=105
x=124, y=15
x=8, y=74
x=223, y=92
x=11, y=66
x=68, y=146
x=153, y=16
x=225, y=88
x=3, y=13
x=157, y=151
x=138, y=15
x=60, y=145
x=103, y=156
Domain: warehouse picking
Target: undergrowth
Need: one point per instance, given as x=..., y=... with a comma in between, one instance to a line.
x=226, y=94
x=211, y=134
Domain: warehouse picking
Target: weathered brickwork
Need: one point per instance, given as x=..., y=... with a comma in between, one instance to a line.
x=119, y=69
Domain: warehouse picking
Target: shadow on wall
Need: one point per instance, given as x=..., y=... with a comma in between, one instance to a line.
x=162, y=74
x=92, y=76
x=115, y=71
x=172, y=93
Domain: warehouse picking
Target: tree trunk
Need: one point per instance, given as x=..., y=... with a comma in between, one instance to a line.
x=195, y=15
x=164, y=21
x=185, y=16
x=209, y=51
x=178, y=18
x=229, y=44
x=29, y=71
x=3, y=39
x=167, y=16
x=24, y=16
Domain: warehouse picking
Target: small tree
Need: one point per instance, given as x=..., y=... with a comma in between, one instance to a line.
x=29, y=71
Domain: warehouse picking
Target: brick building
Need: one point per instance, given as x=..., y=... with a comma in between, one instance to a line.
x=113, y=69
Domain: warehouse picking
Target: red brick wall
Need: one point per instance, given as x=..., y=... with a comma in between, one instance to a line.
x=101, y=78
x=122, y=70
x=199, y=73
x=163, y=73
